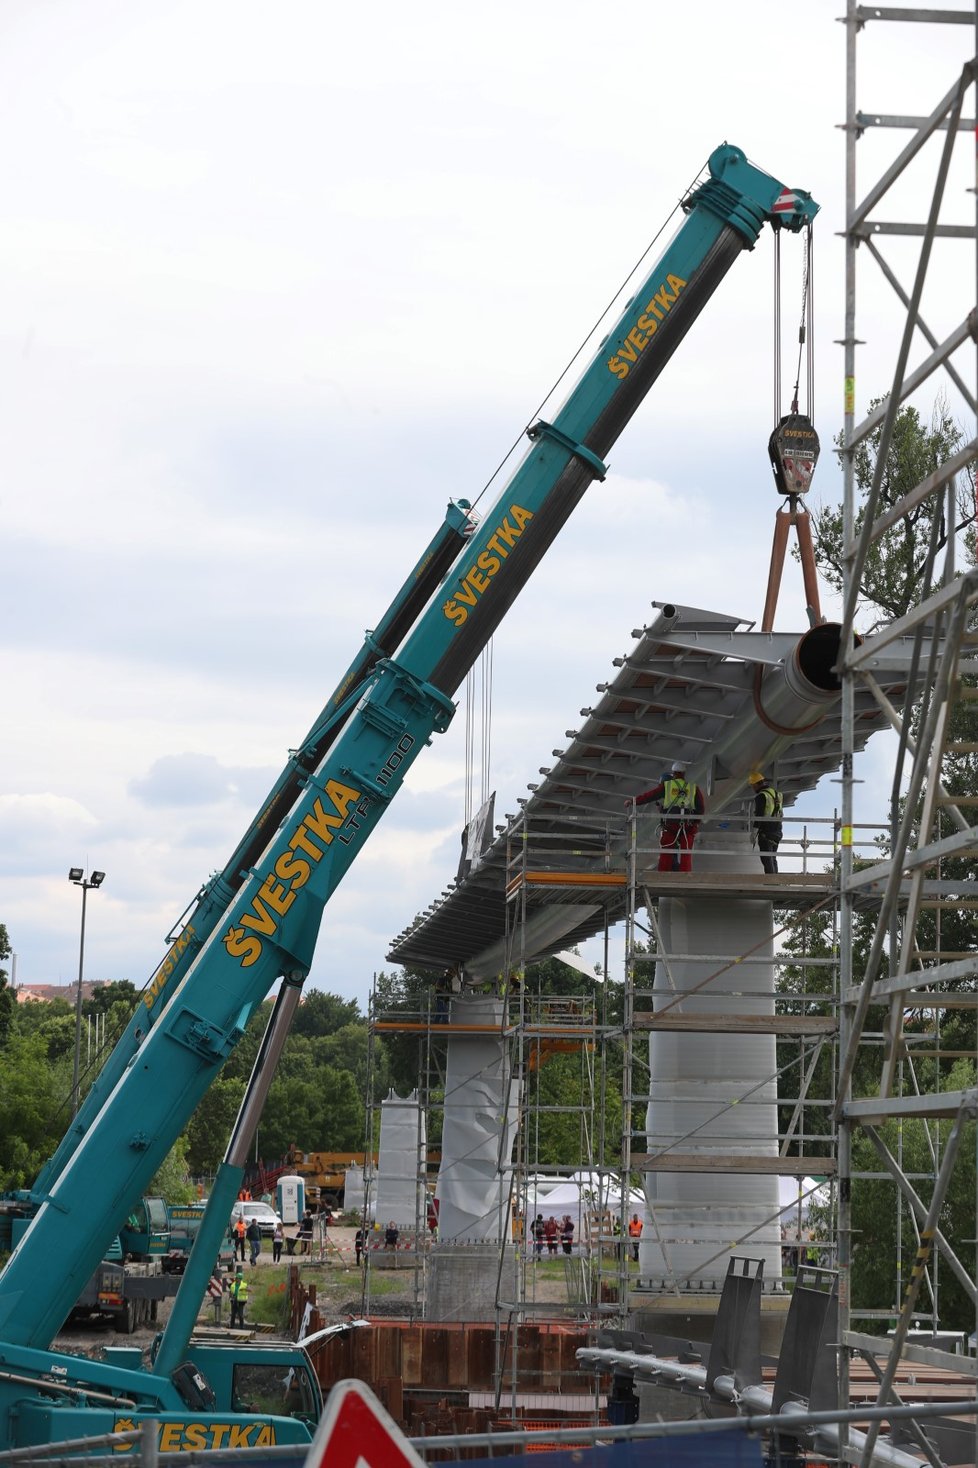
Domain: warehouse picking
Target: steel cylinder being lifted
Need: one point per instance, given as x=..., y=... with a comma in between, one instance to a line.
x=790, y=697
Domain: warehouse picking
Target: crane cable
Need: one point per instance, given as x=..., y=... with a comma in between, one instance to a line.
x=478, y=731
x=806, y=332
x=471, y=689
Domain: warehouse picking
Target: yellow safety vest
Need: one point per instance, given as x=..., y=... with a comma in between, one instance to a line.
x=773, y=802
x=239, y=1288
x=678, y=798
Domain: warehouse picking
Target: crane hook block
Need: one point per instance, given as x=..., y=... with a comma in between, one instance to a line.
x=793, y=451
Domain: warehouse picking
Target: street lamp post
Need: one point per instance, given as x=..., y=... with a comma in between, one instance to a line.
x=77, y=875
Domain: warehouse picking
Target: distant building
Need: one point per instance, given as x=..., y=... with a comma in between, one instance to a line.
x=45, y=993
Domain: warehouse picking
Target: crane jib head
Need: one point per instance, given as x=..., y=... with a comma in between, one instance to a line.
x=742, y=194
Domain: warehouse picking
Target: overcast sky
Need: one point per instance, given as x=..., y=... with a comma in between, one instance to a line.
x=280, y=281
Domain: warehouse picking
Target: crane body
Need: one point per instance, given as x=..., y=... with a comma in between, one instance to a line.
x=258, y=923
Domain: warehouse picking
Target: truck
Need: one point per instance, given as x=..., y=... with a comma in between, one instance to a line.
x=255, y=924
x=141, y=1264
x=123, y=1293
x=158, y=1230
x=324, y=1174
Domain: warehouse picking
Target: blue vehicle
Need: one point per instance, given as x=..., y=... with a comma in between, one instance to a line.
x=156, y=1229
x=256, y=925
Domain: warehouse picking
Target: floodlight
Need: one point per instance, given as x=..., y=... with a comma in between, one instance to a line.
x=75, y=874
x=96, y=879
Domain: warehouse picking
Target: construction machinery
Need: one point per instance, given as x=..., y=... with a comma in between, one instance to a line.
x=255, y=924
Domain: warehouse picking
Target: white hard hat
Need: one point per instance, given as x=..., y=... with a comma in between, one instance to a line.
x=678, y=767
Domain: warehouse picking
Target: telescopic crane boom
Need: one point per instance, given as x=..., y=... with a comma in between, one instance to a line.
x=263, y=915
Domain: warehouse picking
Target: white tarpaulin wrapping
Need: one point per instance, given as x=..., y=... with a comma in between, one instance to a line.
x=713, y=1092
x=473, y=1195
x=400, y=1191
x=354, y=1189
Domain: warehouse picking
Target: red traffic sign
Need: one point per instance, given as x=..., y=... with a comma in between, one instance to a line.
x=356, y=1432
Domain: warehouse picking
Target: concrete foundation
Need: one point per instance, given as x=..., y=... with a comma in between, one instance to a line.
x=462, y=1283
x=693, y=1317
x=659, y=1404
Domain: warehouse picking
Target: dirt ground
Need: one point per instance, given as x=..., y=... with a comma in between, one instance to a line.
x=341, y=1288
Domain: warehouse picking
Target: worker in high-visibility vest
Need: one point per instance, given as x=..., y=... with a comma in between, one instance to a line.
x=768, y=807
x=681, y=803
x=635, y=1233
x=239, y=1297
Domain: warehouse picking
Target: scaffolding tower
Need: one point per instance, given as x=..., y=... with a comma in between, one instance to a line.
x=597, y=861
x=912, y=909
x=914, y=975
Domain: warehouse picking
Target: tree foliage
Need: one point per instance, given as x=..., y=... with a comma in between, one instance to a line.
x=6, y=997
x=331, y=1077
x=881, y=1218
x=317, y=1100
x=33, y=1114
x=893, y=576
x=172, y=1180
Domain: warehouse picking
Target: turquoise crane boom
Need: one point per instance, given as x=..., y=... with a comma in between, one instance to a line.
x=265, y=925
x=212, y=901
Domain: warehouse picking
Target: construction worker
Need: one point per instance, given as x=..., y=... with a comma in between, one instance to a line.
x=768, y=805
x=239, y=1297
x=681, y=803
x=635, y=1233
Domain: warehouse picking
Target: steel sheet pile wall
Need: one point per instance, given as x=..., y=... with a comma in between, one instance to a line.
x=443, y=1359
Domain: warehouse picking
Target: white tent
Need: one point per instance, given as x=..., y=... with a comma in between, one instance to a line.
x=585, y=1197
x=807, y=1189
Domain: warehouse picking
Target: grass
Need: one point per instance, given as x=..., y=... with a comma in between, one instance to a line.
x=267, y=1298
x=388, y=1284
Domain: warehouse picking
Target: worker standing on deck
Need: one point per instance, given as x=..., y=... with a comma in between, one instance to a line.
x=768, y=806
x=682, y=805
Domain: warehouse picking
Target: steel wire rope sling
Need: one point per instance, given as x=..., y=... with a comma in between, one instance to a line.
x=793, y=446
x=793, y=450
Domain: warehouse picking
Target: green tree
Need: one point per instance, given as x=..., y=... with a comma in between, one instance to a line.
x=323, y=1114
x=879, y=1213
x=893, y=575
x=6, y=997
x=54, y=1023
x=559, y=1116
x=321, y=1013
x=172, y=1181
x=347, y=1049
x=408, y=997
x=210, y=1126
x=32, y=1113
x=106, y=996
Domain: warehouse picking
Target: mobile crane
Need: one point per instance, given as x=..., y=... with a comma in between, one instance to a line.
x=257, y=923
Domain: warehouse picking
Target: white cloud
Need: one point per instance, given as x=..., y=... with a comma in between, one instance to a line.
x=279, y=286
